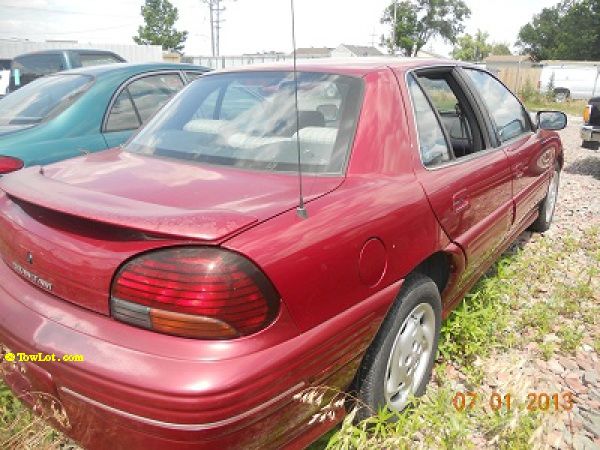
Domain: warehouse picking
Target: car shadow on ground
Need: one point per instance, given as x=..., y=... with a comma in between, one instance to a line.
x=589, y=166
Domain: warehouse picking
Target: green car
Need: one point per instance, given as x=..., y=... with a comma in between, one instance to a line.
x=84, y=110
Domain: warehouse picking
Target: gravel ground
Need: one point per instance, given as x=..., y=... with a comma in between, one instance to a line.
x=578, y=209
x=523, y=370
x=579, y=201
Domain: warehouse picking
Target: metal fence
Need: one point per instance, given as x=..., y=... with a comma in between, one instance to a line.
x=222, y=62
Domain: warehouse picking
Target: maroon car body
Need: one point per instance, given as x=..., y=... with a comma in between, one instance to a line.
x=73, y=225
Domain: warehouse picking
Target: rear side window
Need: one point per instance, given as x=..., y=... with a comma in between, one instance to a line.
x=27, y=68
x=140, y=100
x=432, y=143
x=150, y=93
x=122, y=115
x=508, y=115
x=97, y=59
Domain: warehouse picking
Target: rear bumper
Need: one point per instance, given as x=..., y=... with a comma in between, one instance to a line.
x=138, y=389
x=590, y=133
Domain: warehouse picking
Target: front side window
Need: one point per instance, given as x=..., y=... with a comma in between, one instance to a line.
x=42, y=99
x=508, y=115
x=191, y=76
x=248, y=120
x=432, y=143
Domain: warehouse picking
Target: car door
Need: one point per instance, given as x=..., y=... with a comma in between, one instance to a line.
x=531, y=159
x=468, y=183
x=136, y=102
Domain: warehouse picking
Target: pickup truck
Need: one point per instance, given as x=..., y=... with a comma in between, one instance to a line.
x=590, y=131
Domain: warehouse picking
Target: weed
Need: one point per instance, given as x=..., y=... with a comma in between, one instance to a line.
x=570, y=338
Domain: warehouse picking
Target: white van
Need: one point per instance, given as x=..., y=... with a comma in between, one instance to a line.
x=577, y=81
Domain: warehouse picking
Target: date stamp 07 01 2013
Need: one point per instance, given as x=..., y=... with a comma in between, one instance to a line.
x=535, y=401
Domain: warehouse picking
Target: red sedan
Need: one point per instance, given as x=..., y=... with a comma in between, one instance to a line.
x=202, y=299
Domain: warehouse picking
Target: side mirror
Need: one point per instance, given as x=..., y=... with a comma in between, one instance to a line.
x=551, y=120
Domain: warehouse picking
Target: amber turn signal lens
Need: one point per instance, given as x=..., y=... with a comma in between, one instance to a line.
x=587, y=112
x=191, y=326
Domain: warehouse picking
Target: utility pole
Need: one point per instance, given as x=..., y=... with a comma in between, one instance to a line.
x=215, y=10
x=395, y=27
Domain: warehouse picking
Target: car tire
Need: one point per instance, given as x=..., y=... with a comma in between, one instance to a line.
x=548, y=205
x=561, y=95
x=591, y=145
x=409, y=333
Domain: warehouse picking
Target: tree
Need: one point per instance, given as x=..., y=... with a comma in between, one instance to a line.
x=159, y=18
x=472, y=48
x=568, y=30
x=477, y=48
x=415, y=22
x=500, y=48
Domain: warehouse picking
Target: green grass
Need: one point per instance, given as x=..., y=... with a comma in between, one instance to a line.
x=570, y=107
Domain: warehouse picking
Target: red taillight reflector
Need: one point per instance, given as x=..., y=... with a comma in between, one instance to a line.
x=9, y=164
x=194, y=292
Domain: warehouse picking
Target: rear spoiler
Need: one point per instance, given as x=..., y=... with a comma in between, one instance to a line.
x=32, y=187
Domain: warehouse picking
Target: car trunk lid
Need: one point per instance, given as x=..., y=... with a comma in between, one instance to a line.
x=70, y=226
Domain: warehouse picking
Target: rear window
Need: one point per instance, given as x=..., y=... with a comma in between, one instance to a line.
x=97, y=59
x=42, y=99
x=248, y=120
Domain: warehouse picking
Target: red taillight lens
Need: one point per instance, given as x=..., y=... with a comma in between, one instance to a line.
x=202, y=292
x=9, y=164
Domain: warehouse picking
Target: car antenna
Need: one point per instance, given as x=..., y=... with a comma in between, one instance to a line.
x=301, y=209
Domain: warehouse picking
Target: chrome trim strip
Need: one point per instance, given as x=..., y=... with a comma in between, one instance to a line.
x=182, y=426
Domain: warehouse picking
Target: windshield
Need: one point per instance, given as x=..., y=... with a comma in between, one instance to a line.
x=42, y=99
x=248, y=120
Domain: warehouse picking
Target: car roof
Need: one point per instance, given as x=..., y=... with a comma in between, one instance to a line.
x=61, y=50
x=349, y=66
x=132, y=68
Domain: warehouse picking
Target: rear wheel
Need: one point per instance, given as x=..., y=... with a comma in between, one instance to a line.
x=547, y=207
x=399, y=362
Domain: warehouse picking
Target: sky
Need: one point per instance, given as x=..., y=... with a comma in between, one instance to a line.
x=250, y=25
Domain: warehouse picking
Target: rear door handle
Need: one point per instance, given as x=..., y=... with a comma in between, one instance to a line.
x=520, y=169
x=460, y=201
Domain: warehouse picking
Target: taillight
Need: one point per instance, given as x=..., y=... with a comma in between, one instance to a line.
x=199, y=292
x=9, y=164
x=587, y=112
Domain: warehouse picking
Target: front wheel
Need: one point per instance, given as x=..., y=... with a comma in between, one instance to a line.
x=590, y=145
x=400, y=360
x=547, y=207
